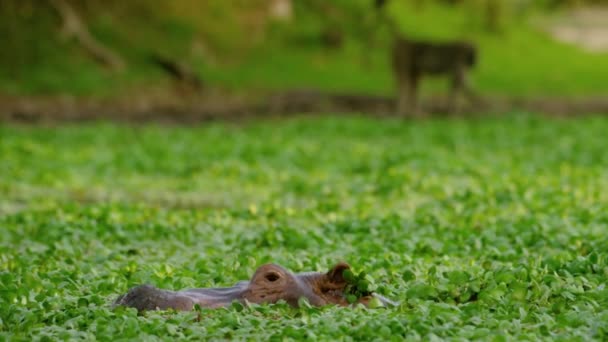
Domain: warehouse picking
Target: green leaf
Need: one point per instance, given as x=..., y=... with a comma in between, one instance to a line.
x=458, y=277
x=408, y=275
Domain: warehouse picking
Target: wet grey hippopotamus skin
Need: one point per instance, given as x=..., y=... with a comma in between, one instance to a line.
x=269, y=284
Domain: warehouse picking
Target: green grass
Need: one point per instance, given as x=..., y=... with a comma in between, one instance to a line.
x=490, y=229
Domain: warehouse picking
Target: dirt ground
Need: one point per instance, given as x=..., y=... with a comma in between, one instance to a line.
x=192, y=109
x=585, y=27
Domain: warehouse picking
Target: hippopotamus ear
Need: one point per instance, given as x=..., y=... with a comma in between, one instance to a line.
x=335, y=273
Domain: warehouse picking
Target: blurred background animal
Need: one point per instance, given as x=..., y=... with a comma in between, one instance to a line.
x=412, y=59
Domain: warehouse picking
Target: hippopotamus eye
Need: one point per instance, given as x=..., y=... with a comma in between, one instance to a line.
x=272, y=276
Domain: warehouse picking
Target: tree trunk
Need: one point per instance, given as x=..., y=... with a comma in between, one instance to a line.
x=74, y=27
x=493, y=15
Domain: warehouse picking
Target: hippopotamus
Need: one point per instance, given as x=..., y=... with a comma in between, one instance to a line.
x=269, y=284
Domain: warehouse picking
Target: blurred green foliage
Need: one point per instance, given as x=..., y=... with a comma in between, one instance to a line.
x=236, y=44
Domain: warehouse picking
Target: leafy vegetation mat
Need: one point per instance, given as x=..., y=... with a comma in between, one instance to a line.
x=490, y=229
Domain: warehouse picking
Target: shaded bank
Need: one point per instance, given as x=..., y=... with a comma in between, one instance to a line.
x=227, y=107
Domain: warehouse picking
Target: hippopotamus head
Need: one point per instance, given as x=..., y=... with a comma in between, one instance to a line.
x=269, y=284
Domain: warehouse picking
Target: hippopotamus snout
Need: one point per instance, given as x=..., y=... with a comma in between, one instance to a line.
x=148, y=297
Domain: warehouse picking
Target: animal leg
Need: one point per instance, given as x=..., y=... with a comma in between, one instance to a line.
x=416, y=110
x=456, y=91
x=403, y=100
x=463, y=83
x=407, y=101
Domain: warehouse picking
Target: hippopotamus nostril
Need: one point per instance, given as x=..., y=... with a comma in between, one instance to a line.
x=272, y=276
